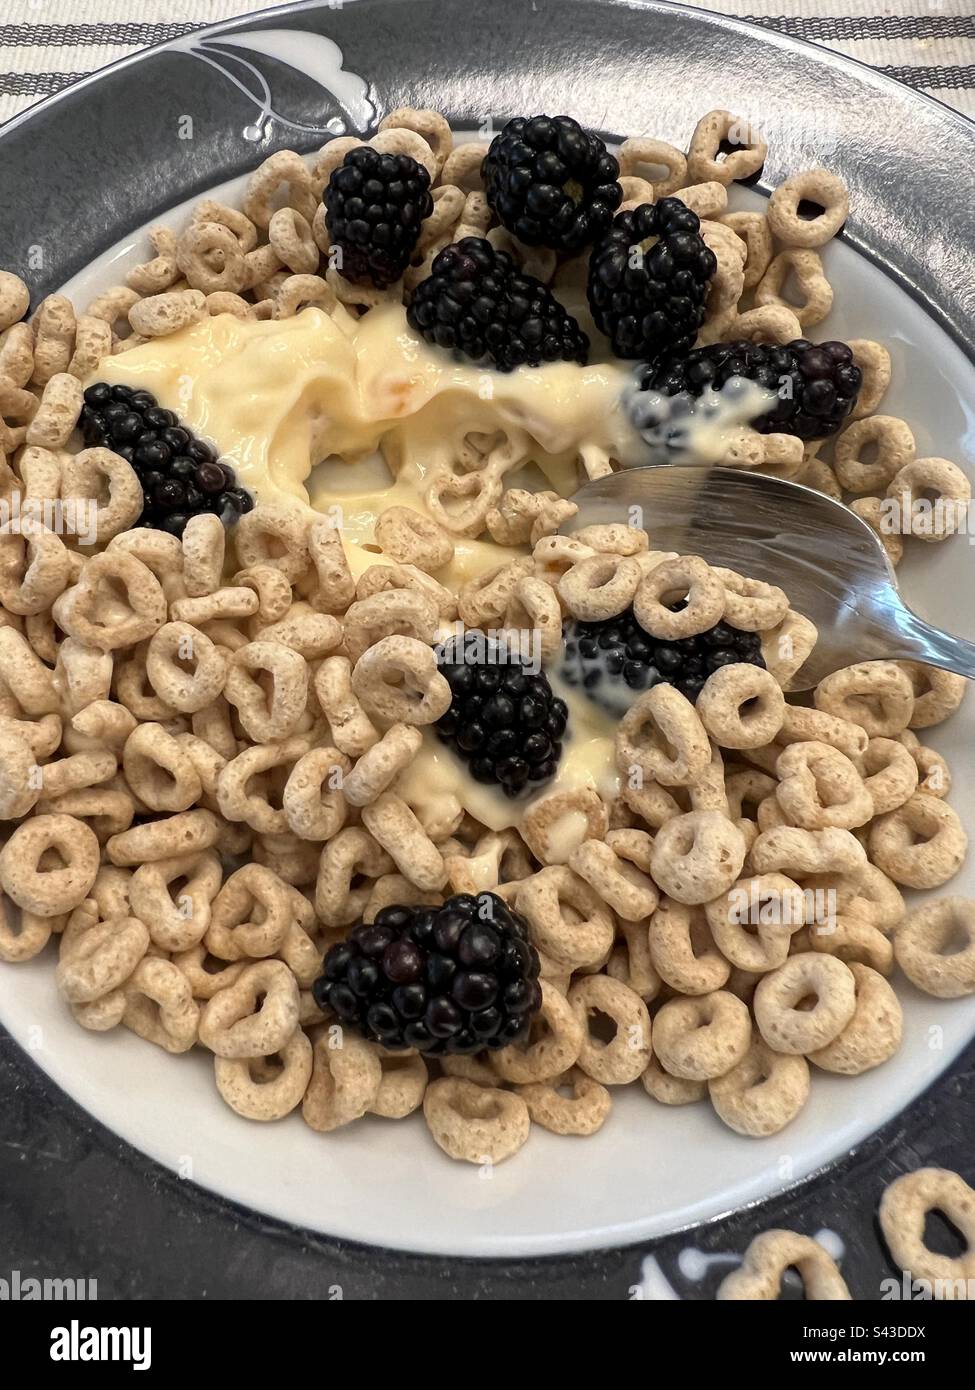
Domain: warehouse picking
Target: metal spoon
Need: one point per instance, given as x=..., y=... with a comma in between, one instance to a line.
x=827, y=560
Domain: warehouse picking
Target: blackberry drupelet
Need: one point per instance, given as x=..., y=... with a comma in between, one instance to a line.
x=615, y=660
x=649, y=278
x=505, y=723
x=454, y=979
x=551, y=183
x=180, y=474
x=374, y=206
x=817, y=385
x=477, y=302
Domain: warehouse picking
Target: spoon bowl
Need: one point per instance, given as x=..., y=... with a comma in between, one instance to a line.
x=830, y=563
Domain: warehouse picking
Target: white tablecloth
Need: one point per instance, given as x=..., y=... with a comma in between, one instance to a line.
x=47, y=44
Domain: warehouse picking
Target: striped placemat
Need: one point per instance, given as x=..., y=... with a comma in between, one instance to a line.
x=47, y=44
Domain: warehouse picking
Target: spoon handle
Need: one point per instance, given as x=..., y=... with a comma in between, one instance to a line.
x=916, y=640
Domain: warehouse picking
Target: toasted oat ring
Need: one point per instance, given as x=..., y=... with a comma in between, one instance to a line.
x=298, y=292
x=789, y=1029
x=601, y=586
x=159, y=1005
x=14, y=299
x=275, y=535
x=19, y=782
x=874, y=1032
x=662, y=737
x=697, y=856
x=638, y=155
x=411, y=538
x=741, y=706
x=252, y=914
x=625, y=1057
x=49, y=892
x=890, y=774
x=478, y=1124
x=170, y=649
x=786, y=647
x=176, y=925
x=378, y=767
x=482, y=489
x=399, y=612
x=922, y=844
x=159, y=771
x=462, y=166
x=232, y=1024
x=313, y=798
x=751, y=604
x=79, y=612
x=921, y=942
x=873, y=359
x=534, y=607
x=85, y=477
x=27, y=937
x=187, y=832
x=703, y=161
x=259, y=1092
x=336, y=587
x=553, y=1046
x=211, y=258
x=161, y=314
x=893, y=441
x=830, y=859
x=703, y=1037
x=422, y=694
x=815, y=289
x=688, y=577
x=240, y=801
x=394, y=826
x=820, y=787
x=578, y=941
x=312, y=635
x=904, y=1210
x=682, y=951
x=284, y=169
x=937, y=693
x=345, y=1079
x=802, y=725
x=748, y=935
x=630, y=961
x=763, y=1093
x=57, y=413
x=268, y=716
x=826, y=190
x=622, y=886
x=294, y=245
x=404, y=1080
x=875, y=694
x=770, y=1255
x=483, y=601
x=100, y=958
x=753, y=229
x=352, y=730
x=272, y=588
x=351, y=852
x=582, y=1112
x=931, y=520
x=204, y=982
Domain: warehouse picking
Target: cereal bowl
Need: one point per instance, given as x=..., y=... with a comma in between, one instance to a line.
x=243, y=371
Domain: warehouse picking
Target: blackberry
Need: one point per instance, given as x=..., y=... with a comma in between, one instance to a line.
x=457, y=979
x=816, y=385
x=374, y=206
x=648, y=279
x=180, y=474
x=504, y=722
x=476, y=301
x=615, y=660
x=551, y=183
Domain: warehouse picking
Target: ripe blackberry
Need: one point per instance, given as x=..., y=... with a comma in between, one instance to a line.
x=506, y=724
x=816, y=385
x=180, y=474
x=476, y=301
x=457, y=978
x=615, y=660
x=648, y=279
x=551, y=183
x=374, y=206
